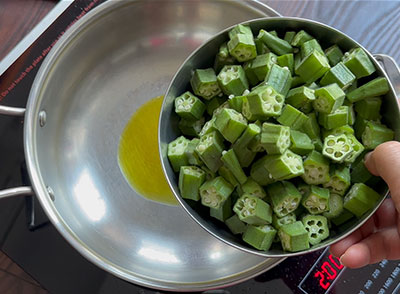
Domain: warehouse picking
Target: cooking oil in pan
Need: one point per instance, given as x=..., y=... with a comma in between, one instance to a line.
x=138, y=154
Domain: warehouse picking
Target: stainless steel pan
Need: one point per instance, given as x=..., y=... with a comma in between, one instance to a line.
x=88, y=87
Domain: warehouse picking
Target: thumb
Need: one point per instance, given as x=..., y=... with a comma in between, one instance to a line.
x=384, y=161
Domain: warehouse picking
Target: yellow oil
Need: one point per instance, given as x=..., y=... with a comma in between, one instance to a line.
x=138, y=154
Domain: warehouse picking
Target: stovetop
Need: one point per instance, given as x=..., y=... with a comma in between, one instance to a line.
x=32, y=242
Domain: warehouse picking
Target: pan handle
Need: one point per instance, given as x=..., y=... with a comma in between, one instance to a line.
x=19, y=191
x=12, y=111
x=392, y=69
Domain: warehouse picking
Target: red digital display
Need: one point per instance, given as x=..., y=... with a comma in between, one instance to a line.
x=322, y=275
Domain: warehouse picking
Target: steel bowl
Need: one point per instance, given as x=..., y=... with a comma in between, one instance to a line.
x=203, y=57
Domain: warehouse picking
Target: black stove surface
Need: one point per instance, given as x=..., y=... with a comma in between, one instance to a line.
x=28, y=238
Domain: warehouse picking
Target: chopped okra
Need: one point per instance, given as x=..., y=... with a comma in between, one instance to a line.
x=230, y=124
x=204, y=83
x=316, y=169
x=284, y=196
x=190, y=180
x=274, y=135
x=232, y=80
x=316, y=201
x=275, y=138
x=213, y=193
x=337, y=147
x=317, y=228
x=253, y=210
x=260, y=237
x=189, y=106
x=360, y=199
x=294, y=237
x=339, y=180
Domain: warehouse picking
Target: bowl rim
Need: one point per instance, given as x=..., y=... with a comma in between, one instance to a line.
x=193, y=214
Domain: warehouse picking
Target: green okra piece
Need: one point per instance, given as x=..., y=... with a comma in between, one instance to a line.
x=215, y=192
x=289, y=36
x=232, y=80
x=278, y=222
x=224, y=212
x=255, y=145
x=210, y=150
x=311, y=127
x=243, y=153
x=307, y=108
x=314, y=86
x=334, y=54
x=257, y=69
x=273, y=33
x=297, y=61
x=328, y=98
x=260, y=46
x=375, y=134
x=308, y=47
x=223, y=58
x=191, y=127
x=188, y=106
x=226, y=173
x=352, y=87
x=242, y=47
x=360, y=173
x=339, y=180
x=287, y=60
x=214, y=103
x=318, y=144
x=190, y=180
x=275, y=138
x=209, y=174
x=369, y=108
x=312, y=67
x=292, y=117
x=376, y=87
x=299, y=97
x=317, y=228
x=357, y=147
x=176, y=153
x=279, y=78
x=316, y=201
x=284, y=196
x=351, y=119
x=342, y=218
x=262, y=103
x=300, y=143
x=253, y=210
x=240, y=29
x=236, y=102
x=359, y=126
x=360, y=199
x=208, y=127
x=300, y=38
x=232, y=163
x=294, y=237
x=260, y=237
x=235, y=225
x=274, y=43
x=204, y=83
x=340, y=75
x=191, y=154
x=337, y=147
x=252, y=188
x=316, y=169
x=284, y=166
x=219, y=109
x=335, y=206
x=358, y=62
x=346, y=129
x=296, y=81
x=230, y=124
x=260, y=173
x=335, y=119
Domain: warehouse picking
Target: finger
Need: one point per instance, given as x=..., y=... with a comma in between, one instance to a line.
x=384, y=161
x=381, y=245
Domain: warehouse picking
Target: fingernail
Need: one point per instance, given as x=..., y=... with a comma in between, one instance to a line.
x=367, y=156
x=341, y=259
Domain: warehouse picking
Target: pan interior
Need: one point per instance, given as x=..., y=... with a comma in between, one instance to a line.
x=109, y=65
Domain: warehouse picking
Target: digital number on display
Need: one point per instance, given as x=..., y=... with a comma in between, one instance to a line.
x=322, y=274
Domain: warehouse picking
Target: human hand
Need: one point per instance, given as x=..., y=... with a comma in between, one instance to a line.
x=379, y=237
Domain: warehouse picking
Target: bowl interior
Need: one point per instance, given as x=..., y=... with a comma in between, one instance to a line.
x=203, y=57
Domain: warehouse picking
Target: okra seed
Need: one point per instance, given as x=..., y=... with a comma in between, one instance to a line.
x=329, y=150
x=338, y=154
x=313, y=235
x=277, y=108
x=331, y=143
x=320, y=231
